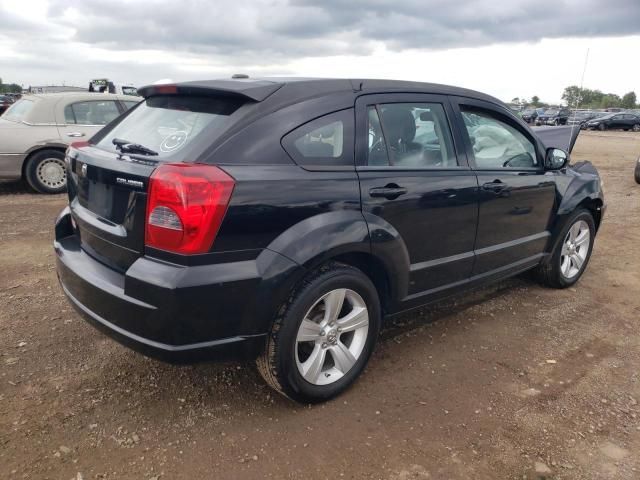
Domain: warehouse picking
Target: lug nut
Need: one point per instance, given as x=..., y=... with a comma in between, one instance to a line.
x=339, y=329
x=324, y=345
x=323, y=333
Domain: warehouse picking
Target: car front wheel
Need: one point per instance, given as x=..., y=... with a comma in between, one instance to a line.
x=45, y=171
x=636, y=127
x=323, y=336
x=571, y=252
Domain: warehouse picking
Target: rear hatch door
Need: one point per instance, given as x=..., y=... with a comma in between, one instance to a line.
x=108, y=184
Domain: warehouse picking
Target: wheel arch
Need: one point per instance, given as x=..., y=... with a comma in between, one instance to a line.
x=60, y=147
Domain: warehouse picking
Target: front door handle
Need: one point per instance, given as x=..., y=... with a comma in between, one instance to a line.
x=75, y=134
x=390, y=191
x=496, y=186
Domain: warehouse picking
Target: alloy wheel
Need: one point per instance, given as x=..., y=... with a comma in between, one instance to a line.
x=332, y=336
x=575, y=249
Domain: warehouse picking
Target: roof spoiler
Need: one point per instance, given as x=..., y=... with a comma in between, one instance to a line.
x=563, y=137
x=252, y=90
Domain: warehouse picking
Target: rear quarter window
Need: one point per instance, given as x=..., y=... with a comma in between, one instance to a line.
x=19, y=110
x=325, y=141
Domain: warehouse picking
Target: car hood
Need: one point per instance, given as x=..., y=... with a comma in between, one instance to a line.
x=563, y=138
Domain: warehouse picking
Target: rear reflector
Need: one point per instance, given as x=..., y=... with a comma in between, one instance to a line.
x=185, y=207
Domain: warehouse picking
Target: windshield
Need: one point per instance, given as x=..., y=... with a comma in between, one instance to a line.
x=130, y=91
x=18, y=110
x=167, y=124
x=551, y=112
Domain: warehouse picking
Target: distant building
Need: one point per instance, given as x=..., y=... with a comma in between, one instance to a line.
x=55, y=89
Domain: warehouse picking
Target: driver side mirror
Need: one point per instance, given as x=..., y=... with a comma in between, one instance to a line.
x=555, y=159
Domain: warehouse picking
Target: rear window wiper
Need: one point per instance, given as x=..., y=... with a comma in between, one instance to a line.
x=125, y=146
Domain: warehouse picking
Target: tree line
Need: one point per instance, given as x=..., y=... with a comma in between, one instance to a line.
x=10, y=87
x=577, y=97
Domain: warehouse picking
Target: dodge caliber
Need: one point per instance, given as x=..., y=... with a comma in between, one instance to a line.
x=283, y=220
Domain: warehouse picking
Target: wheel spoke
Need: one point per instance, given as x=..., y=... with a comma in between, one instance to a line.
x=573, y=232
x=309, y=331
x=583, y=237
x=577, y=261
x=342, y=357
x=565, y=249
x=312, y=368
x=333, y=304
x=565, y=265
x=355, y=319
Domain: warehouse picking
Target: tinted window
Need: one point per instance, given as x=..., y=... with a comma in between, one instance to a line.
x=127, y=104
x=496, y=144
x=412, y=134
x=326, y=140
x=91, y=113
x=18, y=110
x=166, y=124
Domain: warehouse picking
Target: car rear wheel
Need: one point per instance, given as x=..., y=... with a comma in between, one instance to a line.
x=602, y=127
x=636, y=127
x=571, y=252
x=323, y=336
x=45, y=171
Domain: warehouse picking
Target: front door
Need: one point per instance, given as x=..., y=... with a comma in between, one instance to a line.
x=414, y=181
x=516, y=197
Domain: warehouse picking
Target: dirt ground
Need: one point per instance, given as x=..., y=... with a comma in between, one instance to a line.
x=509, y=382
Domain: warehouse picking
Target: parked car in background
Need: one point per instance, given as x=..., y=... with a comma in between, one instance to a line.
x=5, y=103
x=615, y=121
x=530, y=115
x=282, y=220
x=581, y=118
x=553, y=116
x=36, y=130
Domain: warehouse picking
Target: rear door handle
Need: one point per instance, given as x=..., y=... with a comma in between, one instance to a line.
x=390, y=191
x=75, y=134
x=496, y=186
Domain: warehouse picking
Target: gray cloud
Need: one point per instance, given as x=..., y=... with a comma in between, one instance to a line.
x=229, y=34
x=318, y=28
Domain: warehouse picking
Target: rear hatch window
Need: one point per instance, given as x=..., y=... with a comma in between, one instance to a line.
x=168, y=124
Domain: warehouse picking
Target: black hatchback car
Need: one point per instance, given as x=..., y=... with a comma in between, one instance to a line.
x=283, y=220
x=613, y=121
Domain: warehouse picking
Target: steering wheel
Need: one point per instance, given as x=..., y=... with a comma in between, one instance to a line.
x=520, y=160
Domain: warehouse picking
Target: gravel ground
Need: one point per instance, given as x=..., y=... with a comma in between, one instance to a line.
x=509, y=382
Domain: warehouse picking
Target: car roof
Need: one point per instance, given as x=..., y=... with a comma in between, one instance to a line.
x=296, y=89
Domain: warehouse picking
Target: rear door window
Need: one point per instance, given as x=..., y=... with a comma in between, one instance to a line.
x=167, y=124
x=91, y=113
x=410, y=135
x=325, y=141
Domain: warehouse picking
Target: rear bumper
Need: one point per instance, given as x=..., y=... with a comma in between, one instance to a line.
x=173, y=312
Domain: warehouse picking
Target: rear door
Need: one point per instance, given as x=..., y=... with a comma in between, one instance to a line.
x=414, y=181
x=516, y=196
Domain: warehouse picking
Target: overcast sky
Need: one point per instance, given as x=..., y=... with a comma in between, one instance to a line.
x=507, y=48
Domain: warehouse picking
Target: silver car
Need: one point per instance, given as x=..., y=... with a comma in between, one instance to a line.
x=36, y=130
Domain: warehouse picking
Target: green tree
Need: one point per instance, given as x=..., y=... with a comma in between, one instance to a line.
x=629, y=100
x=535, y=101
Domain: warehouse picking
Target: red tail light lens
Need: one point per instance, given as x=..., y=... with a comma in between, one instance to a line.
x=185, y=206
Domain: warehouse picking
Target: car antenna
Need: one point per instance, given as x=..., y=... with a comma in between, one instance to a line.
x=579, y=100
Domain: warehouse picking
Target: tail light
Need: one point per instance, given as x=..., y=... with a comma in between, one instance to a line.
x=185, y=206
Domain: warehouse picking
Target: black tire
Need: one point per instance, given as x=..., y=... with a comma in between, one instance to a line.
x=33, y=171
x=636, y=127
x=550, y=273
x=556, y=122
x=636, y=173
x=277, y=364
x=602, y=127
